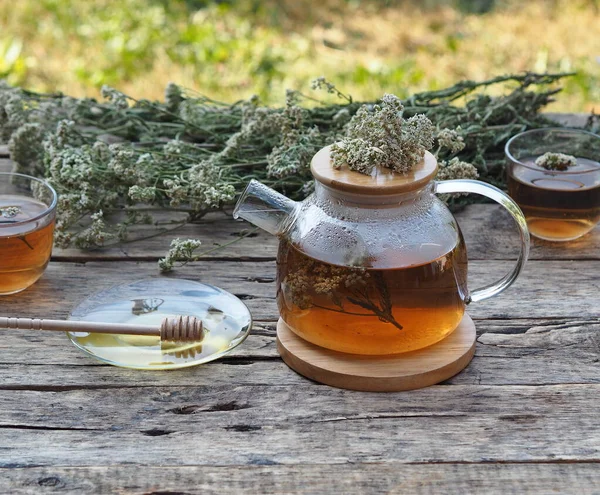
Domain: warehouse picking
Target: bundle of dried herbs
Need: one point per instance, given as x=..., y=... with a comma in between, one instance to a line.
x=118, y=162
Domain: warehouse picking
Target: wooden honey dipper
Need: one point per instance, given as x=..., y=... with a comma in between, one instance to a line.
x=175, y=329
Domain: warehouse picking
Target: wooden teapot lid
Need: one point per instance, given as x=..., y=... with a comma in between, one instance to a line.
x=381, y=182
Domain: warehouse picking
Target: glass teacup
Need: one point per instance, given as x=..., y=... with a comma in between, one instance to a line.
x=559, y=205
x=27, y=214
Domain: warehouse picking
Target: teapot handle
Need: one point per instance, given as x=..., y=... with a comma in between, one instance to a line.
x=489, y=191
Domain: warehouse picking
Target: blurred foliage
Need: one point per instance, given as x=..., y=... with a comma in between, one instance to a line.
x=232, y=49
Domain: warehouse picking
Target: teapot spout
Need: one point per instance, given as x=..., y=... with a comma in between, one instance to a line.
x=265, y=208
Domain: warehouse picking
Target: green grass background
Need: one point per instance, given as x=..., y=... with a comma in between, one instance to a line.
x=230, y=50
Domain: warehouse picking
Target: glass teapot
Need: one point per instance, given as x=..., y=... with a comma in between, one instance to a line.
x=375, y=264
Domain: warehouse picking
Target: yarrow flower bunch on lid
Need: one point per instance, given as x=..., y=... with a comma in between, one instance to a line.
x=378, y=136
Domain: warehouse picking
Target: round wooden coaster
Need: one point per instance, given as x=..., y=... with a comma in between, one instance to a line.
x=407, y=371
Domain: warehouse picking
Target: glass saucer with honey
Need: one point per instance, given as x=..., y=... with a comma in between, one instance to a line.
x=226, y=319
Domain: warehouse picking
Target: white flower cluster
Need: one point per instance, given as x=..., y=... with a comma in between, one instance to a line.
x=556, y=161
x=294, y=154
x=13, y=114
x=95, y=235
x=176, y=190
x=378, y=136
x=291, y=145
x=322, y=83
x=455, y=169
x=9, y=211
x=451, y=140
x=19, y=108
x=70, y=167
x=297, y=146
x=115, y=97
x=173, y=96
x=65, y=135
x=25, y=149
x=181, y=251
x=142, y=194
x=206, y=188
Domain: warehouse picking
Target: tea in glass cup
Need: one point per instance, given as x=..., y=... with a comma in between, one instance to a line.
x=554, y=176
x=27, y=215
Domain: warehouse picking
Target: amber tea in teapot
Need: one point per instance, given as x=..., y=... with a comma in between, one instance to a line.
x=378, y=310
x=373, y=264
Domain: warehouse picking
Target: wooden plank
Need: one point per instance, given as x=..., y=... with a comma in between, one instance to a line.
x=546, y=289
x=527, y=366
x=353, y=479
x=570, y=351
x=241, y=425
x=214, y=230
x=279, y=406
x=489, y=232
x=64, y=285
x=517, y=352
x=526, y=352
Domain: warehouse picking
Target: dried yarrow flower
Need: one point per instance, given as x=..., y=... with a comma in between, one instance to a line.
x=293, y=156
x=556, y=161
x=114, y=96
x=451, y=140
x=242, y=140
x=357, y=152
x=455, y=169
x=176, y=191
x=207, y=187
x=26, y=149
x=322, y=83
x=142, y=194
x=173, y=96
x=378, y=136
x=95, y=235
x=9, y=211
x=181, y=251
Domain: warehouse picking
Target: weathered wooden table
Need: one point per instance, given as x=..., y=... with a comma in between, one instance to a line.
x=523, y=416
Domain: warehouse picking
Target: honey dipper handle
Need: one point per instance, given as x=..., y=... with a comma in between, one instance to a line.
x=78, y=326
